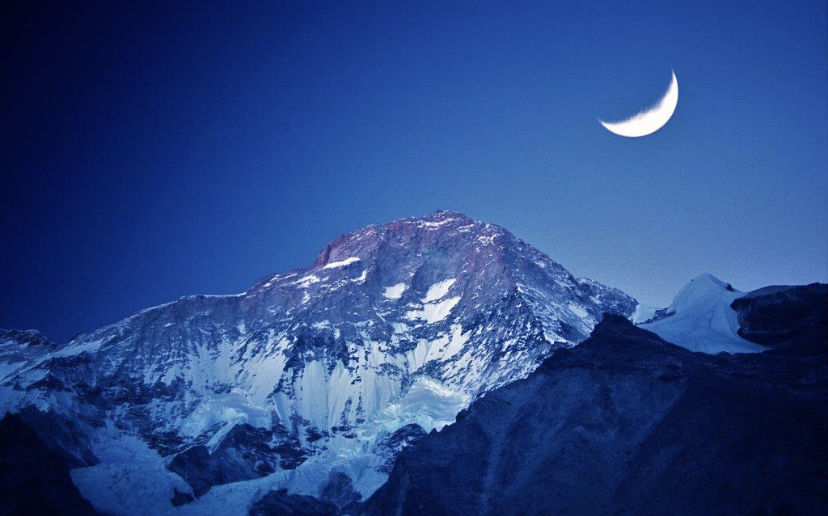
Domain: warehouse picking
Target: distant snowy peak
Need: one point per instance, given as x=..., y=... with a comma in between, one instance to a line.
x=700, y=318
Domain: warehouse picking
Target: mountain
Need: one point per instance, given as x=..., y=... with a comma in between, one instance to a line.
x=710, y=316
x=627, y=423
x=701, y=318
x=311, y=381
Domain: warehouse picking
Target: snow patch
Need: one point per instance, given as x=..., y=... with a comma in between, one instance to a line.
x=438, y=290
x=362, y=277
x=578, y=311
x=307, y=281
x=308, y=479
x=433, y=225
x=394, y=291
x=643, y=313
x=486, y=240
x=434, y=312
x=231, y=408
x=342, y=263
x=78, y=347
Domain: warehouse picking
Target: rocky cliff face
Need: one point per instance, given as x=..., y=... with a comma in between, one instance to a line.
x=34, y=478
x=307, y=375
x=626, y=423
x=790, y=318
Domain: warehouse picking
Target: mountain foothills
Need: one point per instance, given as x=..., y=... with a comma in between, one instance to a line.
x=433, y=365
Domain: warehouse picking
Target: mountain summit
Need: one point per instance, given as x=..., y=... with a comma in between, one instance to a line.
x=312, y=380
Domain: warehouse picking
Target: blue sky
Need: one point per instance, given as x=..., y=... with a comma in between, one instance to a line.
x=155, y=150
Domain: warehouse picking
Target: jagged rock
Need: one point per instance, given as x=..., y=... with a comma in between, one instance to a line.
x=391, y=446
x=34, y=479
x=25, y=339
x=784, y=316
x=244, y=453
x=180, y=498
x=340, y=491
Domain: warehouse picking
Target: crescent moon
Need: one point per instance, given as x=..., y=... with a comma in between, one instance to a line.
x=649, y=121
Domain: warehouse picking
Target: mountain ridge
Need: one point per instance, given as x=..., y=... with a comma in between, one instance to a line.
x=309, y=374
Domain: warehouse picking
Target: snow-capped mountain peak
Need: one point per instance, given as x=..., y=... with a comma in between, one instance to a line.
x=700, y=318
x=391, y=332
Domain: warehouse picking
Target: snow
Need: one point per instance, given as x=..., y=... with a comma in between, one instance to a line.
x=230, y=408
x=435, y=306
x=434, y=225
x=578, y=311
x=426, y=351
x=78, y=347
x=642, y=313
x=131, y=479
x=394, y=291
x=442, y=348
x=428, y=402
x=457, y=342
x=129, y=488
x=362, y=277
x=233, y=363
x=306, y=281
x=308, y=479
x=703, y=320
x=438, y=290
x=9, y=368
x=342, y=263
x=219, y=296
x=434, y=312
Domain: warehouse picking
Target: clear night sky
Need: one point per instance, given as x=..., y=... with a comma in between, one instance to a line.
x=152, y=151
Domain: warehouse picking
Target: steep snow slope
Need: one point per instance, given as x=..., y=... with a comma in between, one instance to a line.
x=700, y=319
x=309, y=373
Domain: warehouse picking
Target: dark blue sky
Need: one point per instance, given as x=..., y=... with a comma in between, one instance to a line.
x=153, y=150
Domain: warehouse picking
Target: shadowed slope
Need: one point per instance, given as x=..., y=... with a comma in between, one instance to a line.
x=627, y=423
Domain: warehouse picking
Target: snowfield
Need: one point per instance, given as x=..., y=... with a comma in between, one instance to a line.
x=702, y=319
